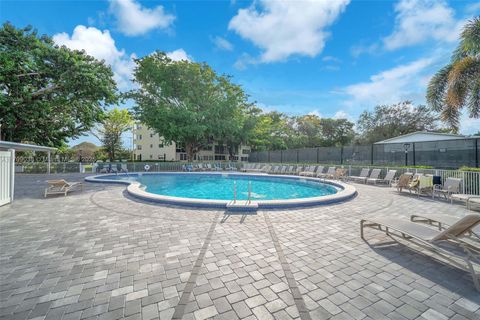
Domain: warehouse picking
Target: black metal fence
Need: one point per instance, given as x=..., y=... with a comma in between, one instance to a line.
x=449, y=154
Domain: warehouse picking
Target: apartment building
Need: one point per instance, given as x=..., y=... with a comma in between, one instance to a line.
x=148, y=145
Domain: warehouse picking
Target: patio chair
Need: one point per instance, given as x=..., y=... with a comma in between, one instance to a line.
x=319, y=171
x=313, y=173
x=61, y=187
x=444, y=243
x=329, y=174
x=231, y=167
x=122, y=167
x=298, y=170
x=266, y=169
x=442, y=221
x=403, y=181
x=387, y=179
x=340, y=174
x=291, y=170
x=273, y=169
x=469, y=199
x=424, y=185
x=283, y=170
x=451, y=186
x=309, y=170
x=363, y=175
x=101, y=168
x=217, y=167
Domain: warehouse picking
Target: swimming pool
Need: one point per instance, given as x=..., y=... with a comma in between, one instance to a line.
x=211, y=189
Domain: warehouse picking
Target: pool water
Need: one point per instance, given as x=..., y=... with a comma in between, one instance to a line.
x=220, y=187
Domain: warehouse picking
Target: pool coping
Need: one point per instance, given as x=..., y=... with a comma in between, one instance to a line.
x=135, y=189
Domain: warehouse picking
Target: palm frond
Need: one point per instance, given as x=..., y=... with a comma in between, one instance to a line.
x=473, y=104
x=459, y=79
x=437, y=87
x=470, y=40
x=451, y=116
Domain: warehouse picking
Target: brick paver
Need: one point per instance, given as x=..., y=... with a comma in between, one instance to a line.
x=100, y=254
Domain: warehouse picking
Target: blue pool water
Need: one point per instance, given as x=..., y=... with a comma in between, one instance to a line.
x=220, y=187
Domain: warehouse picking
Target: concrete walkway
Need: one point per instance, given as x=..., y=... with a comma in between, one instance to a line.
x=100, y=254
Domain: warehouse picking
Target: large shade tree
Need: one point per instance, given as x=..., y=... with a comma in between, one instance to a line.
x=49, y=93
x=457, y=85
x=187, y=102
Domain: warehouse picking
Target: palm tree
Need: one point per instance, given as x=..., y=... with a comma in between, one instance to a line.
x=457, y=85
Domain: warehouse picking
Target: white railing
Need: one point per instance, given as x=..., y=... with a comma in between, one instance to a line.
x=7, y=176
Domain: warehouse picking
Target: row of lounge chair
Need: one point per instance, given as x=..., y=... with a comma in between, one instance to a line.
x=307, y=171
x=101, y=167
x=208, y=167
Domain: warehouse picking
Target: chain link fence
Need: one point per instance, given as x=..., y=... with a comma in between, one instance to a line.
x=447, y=154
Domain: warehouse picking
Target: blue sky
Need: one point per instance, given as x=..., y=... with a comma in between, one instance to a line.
x=331, y=58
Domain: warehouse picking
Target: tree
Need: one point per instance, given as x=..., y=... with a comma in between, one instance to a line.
x=336, y=132
x=186, y=102
x=110, y=131
x=271, y=132
x=386, y=122
x=49, y=93
x=308, y=131
x=457, y=85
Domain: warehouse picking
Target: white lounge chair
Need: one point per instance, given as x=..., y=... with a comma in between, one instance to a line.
x=291, y=170
x=319, y=171
x=445, y=243
x=314, y=172
x=387, y=179
x=362, y=177
x=451, y=186
x=442, y=221
x=329, y=174
x=298, y=170
x=61, y=187
x=309, y=170
x=283, y=170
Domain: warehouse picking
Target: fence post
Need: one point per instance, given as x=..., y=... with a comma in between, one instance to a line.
x=463, y=181
x=318, y=155
x=371, y=155
x=341, y=155
x=413, y=148
x=297, y=155
x=476, y=153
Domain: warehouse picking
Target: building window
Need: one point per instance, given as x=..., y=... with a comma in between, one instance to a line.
x=151, y=156
x=183, y=156
x=220, y=149
x=244, y=158
x=151, y=135
x=151, y=146
x=139, y=147
x=139, y=137
x=160, y=145
x=219, y=157
x=245, y=151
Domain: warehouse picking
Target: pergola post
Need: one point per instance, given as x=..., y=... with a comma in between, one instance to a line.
x=48, y=165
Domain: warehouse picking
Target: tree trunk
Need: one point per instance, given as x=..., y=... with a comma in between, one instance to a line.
x=189, y=148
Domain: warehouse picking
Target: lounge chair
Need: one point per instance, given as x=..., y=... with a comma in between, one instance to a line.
x=340, y=174
x=217, y=167
x=266, y=169
x=273, y=169
x=424, y=185
x=362, y=177
x=387, y=179
x=308, y=171
x=298, y=170
x=122, y=167
x=283, y=170
x=444, y=243
x=319, y=171
x=403, y=181
x=291, y=170
x=451, y=186
x=61, y=187
x=231, y=167
x=246, y=167
x=314, y=172
x=442, y=221
x=329, y=174
x=469, y=199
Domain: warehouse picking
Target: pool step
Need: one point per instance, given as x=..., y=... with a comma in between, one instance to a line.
x=242, y=205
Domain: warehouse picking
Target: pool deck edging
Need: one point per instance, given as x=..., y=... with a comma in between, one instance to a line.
x=135, y=189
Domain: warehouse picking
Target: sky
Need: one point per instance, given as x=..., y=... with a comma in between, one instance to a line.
x=333, y=58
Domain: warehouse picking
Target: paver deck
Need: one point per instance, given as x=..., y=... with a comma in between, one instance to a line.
x=100, y=254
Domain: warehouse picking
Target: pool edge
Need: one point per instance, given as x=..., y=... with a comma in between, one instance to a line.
x=134, y=188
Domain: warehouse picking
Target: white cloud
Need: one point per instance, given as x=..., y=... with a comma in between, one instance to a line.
x=285, y=28
x=419, y=20
x=100, y=45
x=133, y=19
x=179, y=55
x=393, y=85
x=340, y=114
x=222, y=43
